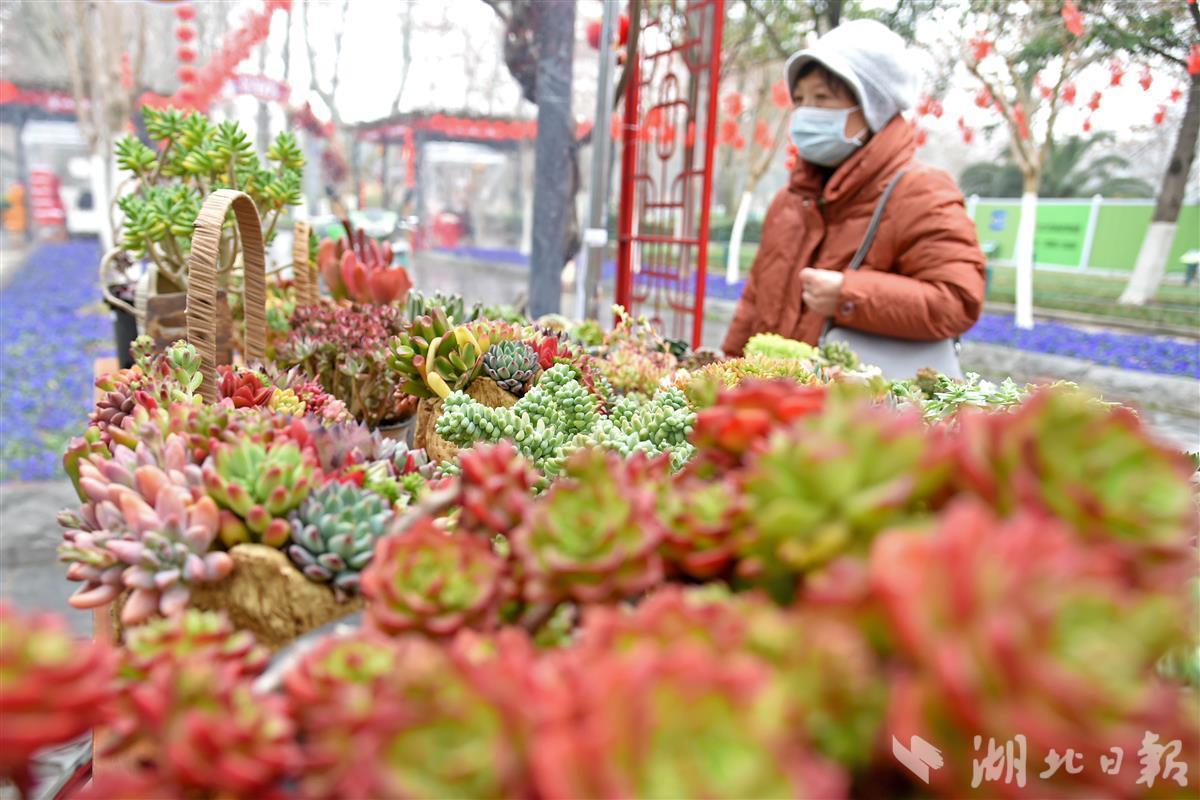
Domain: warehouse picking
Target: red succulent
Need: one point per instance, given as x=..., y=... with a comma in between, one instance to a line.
x=497, y=488
x=244, y=387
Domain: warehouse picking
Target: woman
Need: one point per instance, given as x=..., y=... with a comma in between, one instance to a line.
x=923, y=277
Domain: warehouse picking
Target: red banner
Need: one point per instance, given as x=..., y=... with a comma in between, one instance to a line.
x=54, y=102
x=45, y=199
x=487, y=130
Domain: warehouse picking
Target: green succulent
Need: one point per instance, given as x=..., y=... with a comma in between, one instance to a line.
x=258, y=484
x=334, y=533
x=511, y=365
x=772, y=345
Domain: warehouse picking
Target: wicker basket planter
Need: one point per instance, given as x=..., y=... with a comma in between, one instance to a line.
x=482, y=390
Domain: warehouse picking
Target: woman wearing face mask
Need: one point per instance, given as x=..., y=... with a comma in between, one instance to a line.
x=922, y=278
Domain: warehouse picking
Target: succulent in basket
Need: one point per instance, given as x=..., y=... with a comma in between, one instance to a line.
x=832, y=481
x=116, y=402
x=359, y=268
x=497, y=486
x=772, y=345
x=78, y=449
x=201, y=731
x=435, y=358
x=839, y=354
x=334, y=533
x=451, y=305
x=144, y=528
x=53, y=688
x=1017, y=627
x=244, y=387
x=426, y=580
x=673, y=723
x=206, y=635
x=258, y=484
x=1090, y=464
x=409, y=718
x=594, y=536
x=511, y=365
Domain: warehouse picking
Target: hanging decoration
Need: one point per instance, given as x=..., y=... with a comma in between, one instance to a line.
x=762, y=134
x=733, y=104
x=126, y=72
x=1020, y=120
x=981, y=46
x=780, y=96
x=1116, y=72
x=1068, y=93
x=1193, y=62
x=1072, y=18
x=983, y=98
x=1176, y=93
x=1087, y=124
x=1146, y=78
x=968, y=133
x=1160, y=114
x=1094, y=103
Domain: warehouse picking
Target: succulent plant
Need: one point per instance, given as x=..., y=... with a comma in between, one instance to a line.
x=594, y=536
x=79, y=448
x=743, y=417
x=286, y=401
x=511, y=365
x=409, y=718
x=116, y=402
x=206, y=635
x=497, y=486
x=673, y=723
x=359, y=268
x=629, y=369
x=704, y=384
x=146, y=527
x=435, y=358
x=244, y=387
x=53, y=688
x=831, y=482
x=772, y=345
x=429, y=581
x=345, y=349
x=259, y=484
x=451, y=306
x=200, y=731
x=839, y=354
x=334, y=533
x=700, y=517
x=1007, y=627
x=1087, y=463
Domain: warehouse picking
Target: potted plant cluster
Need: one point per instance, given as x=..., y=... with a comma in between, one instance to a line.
x=752, y=609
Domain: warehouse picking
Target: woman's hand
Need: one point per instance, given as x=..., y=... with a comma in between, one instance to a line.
x=820, y=289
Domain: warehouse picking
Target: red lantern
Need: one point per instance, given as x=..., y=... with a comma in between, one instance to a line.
x=728, y=132
x=1020, y=120
x=186, y=12
x=980, y=47
x=186, y=74
x=936, y=109
x=622, y=29
x=983, y=98
x=1094, y=103
x=593, y=34
x=1176, y=93
x=1146, y=78
x=1117, y=71
x=1068, y=93
x=921, y=136
x=739, y=143
x=923, y=105
x=185, y=54
x=126, y=72
x=968, y=135
x=1087, y=125
x=1160, y=115
x=762, y=135
x=733, y=104
x=1045, y=91
x=780, y=95
x=1072, y=18
x=185, y=33
x=1193, y=62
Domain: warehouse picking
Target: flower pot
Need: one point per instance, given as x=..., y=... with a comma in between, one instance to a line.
x=166, y=322
x=402, y=431
x=125, y=330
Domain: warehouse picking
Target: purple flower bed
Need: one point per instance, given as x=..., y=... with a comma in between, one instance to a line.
x=52, y=327
x=1126, y=350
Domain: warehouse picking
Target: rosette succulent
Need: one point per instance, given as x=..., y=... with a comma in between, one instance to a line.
x=435, y=357
x=743, y=417
x=258, y=484
x=1007, y=627
x=334, y=533
x=594, y=536
x=699, y=518
x=244, y=387
x=831, y=482
x=511, y=365
x=145, y=527
x=497, y=486
x=426, y=580
x=53, y=688
x=206, y=635
x=409, y=718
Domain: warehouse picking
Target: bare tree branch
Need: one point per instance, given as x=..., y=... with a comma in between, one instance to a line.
x=405, y=56
x=776, y=45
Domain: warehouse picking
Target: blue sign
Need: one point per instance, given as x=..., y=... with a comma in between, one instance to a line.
x=999, y=220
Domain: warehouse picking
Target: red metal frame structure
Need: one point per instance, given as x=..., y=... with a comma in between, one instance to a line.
x=667, y=164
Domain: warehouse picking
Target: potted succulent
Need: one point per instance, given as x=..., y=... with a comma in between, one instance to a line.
x=194, y=157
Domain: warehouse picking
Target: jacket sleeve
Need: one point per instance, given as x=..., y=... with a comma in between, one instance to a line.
x=935, y=288
x=741, y=327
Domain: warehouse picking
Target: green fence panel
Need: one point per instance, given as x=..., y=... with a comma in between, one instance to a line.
x=1061, y=228
x=997, y=222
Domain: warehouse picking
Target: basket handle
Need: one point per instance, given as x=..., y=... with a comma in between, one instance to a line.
x=202, y=266
x=302, y=269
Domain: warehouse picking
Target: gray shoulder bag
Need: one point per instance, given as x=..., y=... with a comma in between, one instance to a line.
x=897, y=358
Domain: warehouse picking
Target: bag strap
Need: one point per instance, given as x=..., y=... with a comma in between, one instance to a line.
x=868, y=239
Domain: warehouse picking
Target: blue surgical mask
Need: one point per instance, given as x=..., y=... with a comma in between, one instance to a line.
x=820, y=135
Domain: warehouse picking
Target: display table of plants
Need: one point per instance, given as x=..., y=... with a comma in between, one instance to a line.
x=605, y=567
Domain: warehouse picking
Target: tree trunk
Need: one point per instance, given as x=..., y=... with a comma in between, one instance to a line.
x=555, y=25
x=1024, y=251
x=1156, y=247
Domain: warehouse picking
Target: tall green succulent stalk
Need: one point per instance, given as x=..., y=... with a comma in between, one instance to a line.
x=196, y=157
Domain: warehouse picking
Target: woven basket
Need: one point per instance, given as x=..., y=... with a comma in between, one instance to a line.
x=304, y=272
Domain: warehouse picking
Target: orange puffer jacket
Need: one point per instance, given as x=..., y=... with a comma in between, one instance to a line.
x=923, y=278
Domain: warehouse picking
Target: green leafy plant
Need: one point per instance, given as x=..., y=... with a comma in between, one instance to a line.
x=196, y=157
